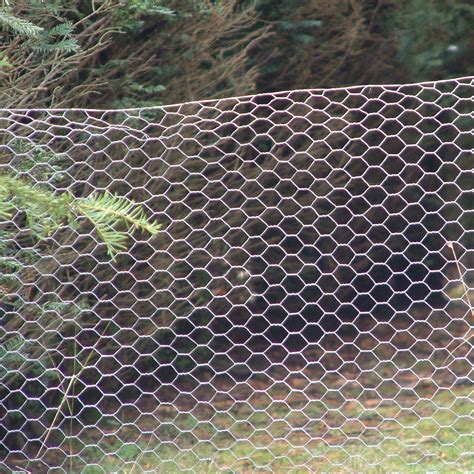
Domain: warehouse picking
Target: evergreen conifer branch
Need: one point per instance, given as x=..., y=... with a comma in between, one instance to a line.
x=108, y=212
x=17, y=25
x=11, y=354
x=46, y=212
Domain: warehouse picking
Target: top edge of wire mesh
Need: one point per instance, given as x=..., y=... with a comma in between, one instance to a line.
x=356, y=88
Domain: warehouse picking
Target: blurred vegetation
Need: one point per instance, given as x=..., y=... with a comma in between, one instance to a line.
x=133, y=53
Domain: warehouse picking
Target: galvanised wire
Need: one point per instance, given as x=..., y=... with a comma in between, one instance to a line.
x=306, y=305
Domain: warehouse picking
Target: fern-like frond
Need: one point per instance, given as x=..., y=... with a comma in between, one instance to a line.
x=108, y=212
x=20, y=355
x=68, y=45
x=61, y=29
x=112, y=216
x=13, y=344
x=8, y=264
x=17, y=25
x=112, y=210
x=11, y=356
x=58, y=38
x=44, y=211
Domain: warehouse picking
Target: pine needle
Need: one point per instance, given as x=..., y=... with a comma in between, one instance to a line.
x=108, y=212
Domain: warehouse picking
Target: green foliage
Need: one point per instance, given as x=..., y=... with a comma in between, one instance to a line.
x=79, y=50
x=4, y=62
x=12, y=354
x=43, y=39
x=434, y=37
x=17, y=25
x=108, y=213
x=294, y=33
x=133, y=14
x=46, y=212
x=41, y=165
x=41, y=353
x=20, y=356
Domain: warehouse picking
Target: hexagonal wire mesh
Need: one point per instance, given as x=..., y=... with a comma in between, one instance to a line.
x=304, y=307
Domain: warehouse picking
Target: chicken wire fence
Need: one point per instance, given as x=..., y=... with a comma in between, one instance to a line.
x=304, y=307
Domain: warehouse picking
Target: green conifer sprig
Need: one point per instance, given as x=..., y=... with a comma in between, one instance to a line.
x=113, y=217
x=107, y=213
x=11, y=354
x=17, y=25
